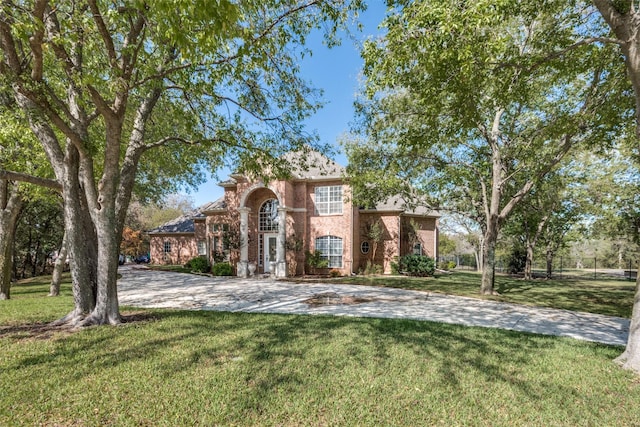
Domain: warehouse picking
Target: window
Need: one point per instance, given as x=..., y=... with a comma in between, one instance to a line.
x=216, y=244
x=268, y=216
x=329, y=200
x=330, y=248
x=167, y=247
x=364, y=247
x=417, y=249
x=215, y=228
x=202, y=247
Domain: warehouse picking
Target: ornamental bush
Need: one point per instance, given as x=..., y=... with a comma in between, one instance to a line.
x=222, y=269
x=417, y=265
x=198, y=264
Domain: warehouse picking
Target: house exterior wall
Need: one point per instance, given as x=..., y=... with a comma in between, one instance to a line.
x=183, y=248
x=337, y=225
x=387, y=248
x=304, y=224
x=426, y=233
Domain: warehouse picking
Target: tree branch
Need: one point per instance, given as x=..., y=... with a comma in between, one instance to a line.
x=104, y=33
x=35, y=41
x=31, y=179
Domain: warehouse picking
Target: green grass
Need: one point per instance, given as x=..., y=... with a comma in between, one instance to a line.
x=602, y=296
x=209, y=368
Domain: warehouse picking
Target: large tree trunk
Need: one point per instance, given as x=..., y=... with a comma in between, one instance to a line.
x=625, y=25
x=528, y=265
x=630, y=358
x=10, y=205
x=106, y=310
x=489, y=257
x=58, y=268
x=81, y=242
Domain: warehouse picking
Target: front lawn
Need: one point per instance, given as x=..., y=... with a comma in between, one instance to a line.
x=610, y=297
x=209, y=368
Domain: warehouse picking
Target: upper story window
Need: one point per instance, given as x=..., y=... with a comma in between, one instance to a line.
x=216, y=228
x=329, y=200
x=268, y=216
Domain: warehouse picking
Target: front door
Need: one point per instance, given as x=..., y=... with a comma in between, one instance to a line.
x=270, y=241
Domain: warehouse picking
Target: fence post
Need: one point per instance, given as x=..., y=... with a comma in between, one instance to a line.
x=595, y=262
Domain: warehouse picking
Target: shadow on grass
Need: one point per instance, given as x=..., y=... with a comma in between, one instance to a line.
x=609, y=297
x=293, y=353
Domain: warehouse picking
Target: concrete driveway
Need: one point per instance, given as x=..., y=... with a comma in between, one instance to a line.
x=141, y=287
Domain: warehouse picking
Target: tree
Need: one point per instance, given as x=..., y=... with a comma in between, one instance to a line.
x=104, y=84
x=374, y=231
x=551, y=208
x=58, y=268
x=468, y=235
x=132, y=242
x=446, y=245
x=39, y=233
x=17, y=151
x=467, y=103
x=10, y=205
x=622, y=19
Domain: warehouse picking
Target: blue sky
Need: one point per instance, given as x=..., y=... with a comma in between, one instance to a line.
x=336, y=72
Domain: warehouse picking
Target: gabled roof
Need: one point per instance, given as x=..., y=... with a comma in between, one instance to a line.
x=304, y=165
x=313, y=165
x=397, y=204
x=216, y=205
x=185, y=223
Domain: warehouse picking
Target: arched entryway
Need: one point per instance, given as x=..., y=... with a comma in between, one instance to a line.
x=262, y=232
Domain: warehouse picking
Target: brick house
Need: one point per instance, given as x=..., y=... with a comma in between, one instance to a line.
x=269, y=227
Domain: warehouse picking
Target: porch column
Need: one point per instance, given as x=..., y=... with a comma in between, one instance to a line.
x=243, y=270
x=281, y=254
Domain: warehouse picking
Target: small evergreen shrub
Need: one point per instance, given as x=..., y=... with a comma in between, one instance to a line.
x=452, y=265
x=222, y=269
x=372, y=269
x=444, y=265
x=335, y=273
x=315, y=260
x=198, y=264
x=417, y=265
x=517, y=260
x=395, y=266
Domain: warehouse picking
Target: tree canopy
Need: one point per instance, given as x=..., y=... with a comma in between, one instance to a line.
x=104, y=83
x=470, y=105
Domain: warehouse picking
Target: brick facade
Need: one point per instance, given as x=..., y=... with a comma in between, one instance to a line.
x=214, y=225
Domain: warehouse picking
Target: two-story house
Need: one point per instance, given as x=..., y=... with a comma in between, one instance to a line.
x=270, y=227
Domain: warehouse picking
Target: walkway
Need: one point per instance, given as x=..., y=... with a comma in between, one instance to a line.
x=141, y=287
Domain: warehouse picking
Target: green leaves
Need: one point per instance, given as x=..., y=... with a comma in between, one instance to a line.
x=452, y=85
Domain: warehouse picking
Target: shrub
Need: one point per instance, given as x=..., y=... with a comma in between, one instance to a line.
x=198, y=264
x=517, y=260
x=395, y=267
x=417, y=265
x=372, y=269
x=452, y=265
x=315, y=260
x=335, y=273
x=222, y=269
x=218, y=256
x=444, y=265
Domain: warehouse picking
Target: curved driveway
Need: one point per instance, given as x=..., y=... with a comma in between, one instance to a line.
x=142, y=287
